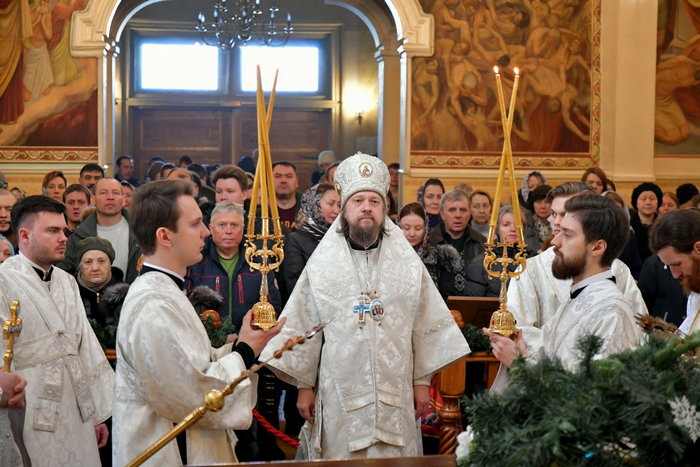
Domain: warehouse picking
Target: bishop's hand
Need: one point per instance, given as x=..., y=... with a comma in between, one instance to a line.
x=305, y=404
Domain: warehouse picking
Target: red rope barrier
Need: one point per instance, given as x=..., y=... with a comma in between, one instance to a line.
x=277, y=433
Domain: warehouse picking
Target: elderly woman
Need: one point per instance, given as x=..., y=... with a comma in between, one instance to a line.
x=95, y=273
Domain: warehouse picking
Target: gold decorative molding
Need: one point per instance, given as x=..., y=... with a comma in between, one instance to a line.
x=47, y=155
x=550, y=161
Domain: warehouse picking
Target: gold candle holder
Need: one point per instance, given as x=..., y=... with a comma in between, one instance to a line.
x=265, y=250
x=502, y=320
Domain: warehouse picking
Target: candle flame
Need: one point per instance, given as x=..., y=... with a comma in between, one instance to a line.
x=495, y=69
x=516, y=70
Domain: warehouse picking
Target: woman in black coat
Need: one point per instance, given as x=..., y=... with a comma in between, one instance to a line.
x=94, y=275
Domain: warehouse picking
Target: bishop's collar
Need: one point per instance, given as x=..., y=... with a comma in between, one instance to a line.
x=356, y=246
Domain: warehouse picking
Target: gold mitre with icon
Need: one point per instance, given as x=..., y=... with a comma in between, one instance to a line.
x=361, y=172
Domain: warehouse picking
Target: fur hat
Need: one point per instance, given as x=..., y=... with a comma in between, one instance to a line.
x=647, y=186
x=361, y=172
x=95, y=243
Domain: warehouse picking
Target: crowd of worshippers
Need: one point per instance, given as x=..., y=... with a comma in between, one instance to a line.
x=446, y=229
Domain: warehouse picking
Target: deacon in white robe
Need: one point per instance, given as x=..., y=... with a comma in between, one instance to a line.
x=536, y=295
x=165, y=365
x=69, y=381
x=364, y=373
x=596, y=307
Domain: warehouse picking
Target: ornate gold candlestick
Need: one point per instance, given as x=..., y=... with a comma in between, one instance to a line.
x=267, y=257
x=10, y=330
x=502, y=320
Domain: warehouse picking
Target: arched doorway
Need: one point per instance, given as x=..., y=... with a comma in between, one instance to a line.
x=405, y=32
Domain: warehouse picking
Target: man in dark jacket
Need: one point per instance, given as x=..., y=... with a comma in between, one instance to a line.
x=223, y=267
x=454, y=230
x=111, y=222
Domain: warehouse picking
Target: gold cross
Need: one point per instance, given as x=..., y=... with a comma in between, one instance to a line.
x=10, y=330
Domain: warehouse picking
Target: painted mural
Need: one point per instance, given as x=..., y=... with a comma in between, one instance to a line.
x=47, y=97
x=455, y=112
x=677, y=113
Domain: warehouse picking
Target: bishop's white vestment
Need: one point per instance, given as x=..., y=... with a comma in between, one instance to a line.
x=535, y=297
x=364, y=374
x=165, y=365
x=600, y=309
x=69, y=381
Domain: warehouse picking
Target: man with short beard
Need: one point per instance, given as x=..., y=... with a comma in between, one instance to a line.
x=362, y=387
x=537, y=294
x=69, y=381
x=675, y=237
x=593, y=232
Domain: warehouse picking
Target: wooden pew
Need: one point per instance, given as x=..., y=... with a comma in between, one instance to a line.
x=476, y=311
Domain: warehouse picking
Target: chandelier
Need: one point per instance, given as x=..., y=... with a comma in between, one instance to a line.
x=237, y=22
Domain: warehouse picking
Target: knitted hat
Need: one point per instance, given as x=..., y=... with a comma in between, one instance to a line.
x=686, y=192
x=95, y=243
x=647, y=186
x=361, y=172
x=538, y=194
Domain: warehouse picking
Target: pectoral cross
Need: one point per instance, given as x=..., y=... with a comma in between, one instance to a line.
x=361, y=308
x=10, y=330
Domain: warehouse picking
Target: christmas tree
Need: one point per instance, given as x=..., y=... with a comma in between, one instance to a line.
x=639, y=407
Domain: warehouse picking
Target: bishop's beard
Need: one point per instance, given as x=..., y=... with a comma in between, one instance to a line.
x=692, y=282
x=566, y=268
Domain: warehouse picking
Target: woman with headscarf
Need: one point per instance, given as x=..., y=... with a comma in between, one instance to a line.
x=442, y=261
x=320, y=205
x=429, y=195
x=530, y=181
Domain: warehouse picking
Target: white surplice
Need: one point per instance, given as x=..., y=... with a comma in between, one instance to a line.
x=364, y=375
x=599, y=309
x=69, y=381
x=165, y=365
x=535, y=297
x=691, y=323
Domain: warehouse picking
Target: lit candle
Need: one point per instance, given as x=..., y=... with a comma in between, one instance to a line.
x=501, y=171
x=509, y=149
